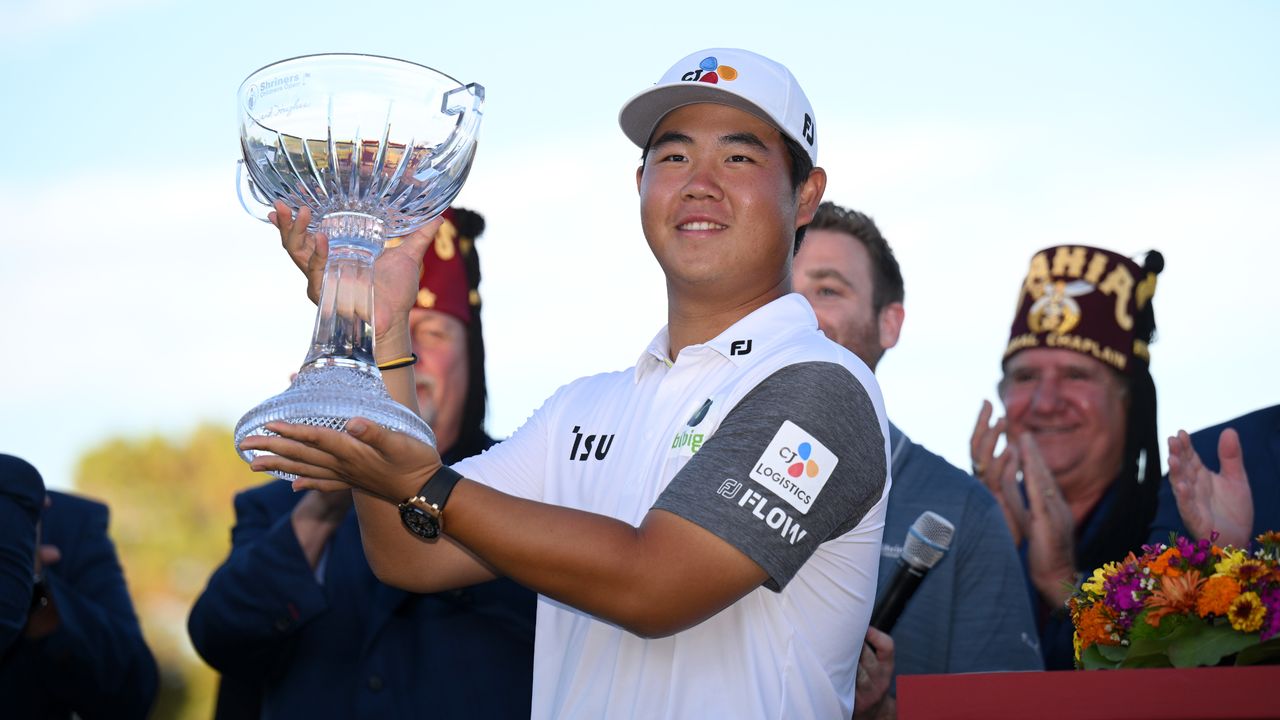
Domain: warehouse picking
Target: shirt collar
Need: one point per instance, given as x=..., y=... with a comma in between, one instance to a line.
x=745, y=340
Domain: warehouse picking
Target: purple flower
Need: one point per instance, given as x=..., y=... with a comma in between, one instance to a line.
x=1123, y=593
x=1196, y=553
x=1270, y=626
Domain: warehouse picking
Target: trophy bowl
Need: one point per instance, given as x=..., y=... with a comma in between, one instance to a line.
x=376, y=147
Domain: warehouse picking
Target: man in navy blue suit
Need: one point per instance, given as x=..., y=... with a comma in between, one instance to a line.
x=295, y=620
x=1224, y=478
x=75, y=647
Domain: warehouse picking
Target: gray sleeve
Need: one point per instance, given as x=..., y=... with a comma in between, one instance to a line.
x=798, y=461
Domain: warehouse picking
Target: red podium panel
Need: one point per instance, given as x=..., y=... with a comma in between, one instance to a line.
x=1216, y=693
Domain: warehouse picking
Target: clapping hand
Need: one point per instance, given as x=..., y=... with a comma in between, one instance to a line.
x=1208, y=500
x=1040, y=515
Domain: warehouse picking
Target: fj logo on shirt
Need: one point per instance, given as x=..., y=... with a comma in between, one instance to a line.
x=795, y=466
x=729, y=488
x=740, y=347
x=601, y=443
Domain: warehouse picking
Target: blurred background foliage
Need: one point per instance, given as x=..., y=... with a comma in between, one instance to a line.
x=171, y=517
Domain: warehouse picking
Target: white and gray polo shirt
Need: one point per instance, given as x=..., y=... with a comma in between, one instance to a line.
x=769, y=436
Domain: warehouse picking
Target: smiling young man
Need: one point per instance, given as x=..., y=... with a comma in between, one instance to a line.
x=704, y=527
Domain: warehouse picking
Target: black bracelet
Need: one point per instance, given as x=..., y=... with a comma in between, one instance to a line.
x=400, y=363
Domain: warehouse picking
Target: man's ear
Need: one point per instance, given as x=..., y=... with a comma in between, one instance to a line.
x=809, y=196
x=890, y=324
x=639, y=176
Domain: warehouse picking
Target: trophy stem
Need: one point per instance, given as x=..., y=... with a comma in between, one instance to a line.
x=344, y=321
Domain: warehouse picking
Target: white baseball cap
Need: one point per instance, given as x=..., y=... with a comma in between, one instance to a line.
x=727, y=76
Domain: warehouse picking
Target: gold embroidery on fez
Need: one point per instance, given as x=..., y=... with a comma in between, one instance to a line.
x=426, y=298
x=1057, y=311
x=445, y=248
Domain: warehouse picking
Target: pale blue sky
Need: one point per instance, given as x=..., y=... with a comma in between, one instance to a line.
x=140, y=298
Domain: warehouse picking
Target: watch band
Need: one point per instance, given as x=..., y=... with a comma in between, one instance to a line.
x=423, y=514
x=439, y=487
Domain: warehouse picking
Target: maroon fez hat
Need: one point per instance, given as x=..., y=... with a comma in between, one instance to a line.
x=1087, y=300
x=445, y=285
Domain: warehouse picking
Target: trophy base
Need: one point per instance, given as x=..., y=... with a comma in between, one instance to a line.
x=327, y=393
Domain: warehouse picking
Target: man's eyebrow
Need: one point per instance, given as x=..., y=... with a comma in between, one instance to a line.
x=744, y=138
x=671, y=136
x=826, y=273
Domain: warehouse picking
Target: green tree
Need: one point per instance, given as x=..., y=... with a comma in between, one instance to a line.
x=171, y=516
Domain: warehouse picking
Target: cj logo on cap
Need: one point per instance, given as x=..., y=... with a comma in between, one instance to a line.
x=795, y=466
x=711, y=71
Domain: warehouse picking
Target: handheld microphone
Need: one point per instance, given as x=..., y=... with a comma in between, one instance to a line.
x=927, y=542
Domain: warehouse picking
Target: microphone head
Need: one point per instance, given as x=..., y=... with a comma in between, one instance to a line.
x=928, y=540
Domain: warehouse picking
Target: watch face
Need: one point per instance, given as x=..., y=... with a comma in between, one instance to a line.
x=418, y=522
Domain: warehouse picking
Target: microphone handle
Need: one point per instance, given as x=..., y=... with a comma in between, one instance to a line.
x=904, y=584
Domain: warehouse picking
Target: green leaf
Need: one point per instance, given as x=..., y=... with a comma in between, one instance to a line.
x=1169, y=626
x=1114, y=653
x=1266, y=653
x=1206, y=645
x=1149, y=646
x=1160, y=660
x=1092, y=659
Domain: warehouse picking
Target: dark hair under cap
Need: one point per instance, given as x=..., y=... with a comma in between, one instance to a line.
x=1125, y=527
x=471, y=437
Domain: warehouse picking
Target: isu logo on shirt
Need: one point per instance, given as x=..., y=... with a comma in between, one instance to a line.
x=795, y=466
x=601, y=444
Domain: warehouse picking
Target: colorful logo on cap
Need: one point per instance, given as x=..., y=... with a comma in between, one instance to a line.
x=711, y=71
x=805, y=463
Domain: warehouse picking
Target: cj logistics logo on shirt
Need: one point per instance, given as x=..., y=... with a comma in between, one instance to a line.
x=795, y=466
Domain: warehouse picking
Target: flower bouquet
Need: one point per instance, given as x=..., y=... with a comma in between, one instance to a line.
x=1185, y=604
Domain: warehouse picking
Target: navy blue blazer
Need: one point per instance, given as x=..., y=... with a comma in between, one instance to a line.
x=21, y=498
x=96, y=664
x=1260, y=442
x=349, y=646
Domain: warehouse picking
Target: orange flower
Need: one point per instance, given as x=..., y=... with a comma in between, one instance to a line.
x=1094, y=626
x=1217, y=595
x=1176, y=594
x=1160, y=566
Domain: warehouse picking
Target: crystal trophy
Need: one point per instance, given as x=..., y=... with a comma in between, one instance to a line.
x=376, y=148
